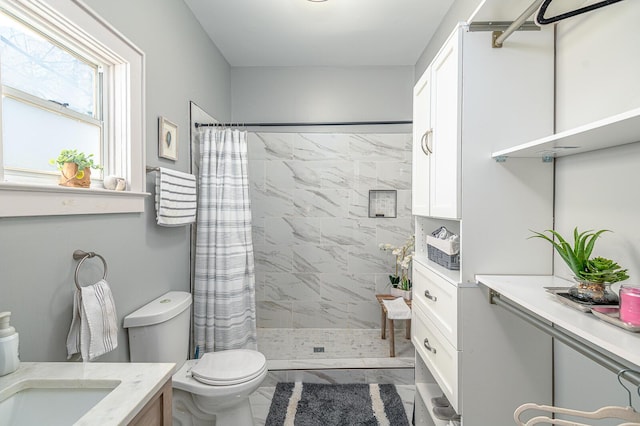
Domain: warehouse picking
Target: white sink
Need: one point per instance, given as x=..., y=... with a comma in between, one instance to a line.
x=51, y=402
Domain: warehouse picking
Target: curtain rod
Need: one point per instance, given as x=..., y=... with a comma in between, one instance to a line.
x=337, y=123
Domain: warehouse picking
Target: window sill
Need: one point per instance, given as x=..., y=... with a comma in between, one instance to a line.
x=18, y=199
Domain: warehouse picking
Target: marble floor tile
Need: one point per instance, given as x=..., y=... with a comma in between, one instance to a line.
x=338, y=343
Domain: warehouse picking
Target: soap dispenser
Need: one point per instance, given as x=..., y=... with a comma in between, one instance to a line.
x=9, y=361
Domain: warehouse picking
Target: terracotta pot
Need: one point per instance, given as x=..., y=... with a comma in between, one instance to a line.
x=68, y=176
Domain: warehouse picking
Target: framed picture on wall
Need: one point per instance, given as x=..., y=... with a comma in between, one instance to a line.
x=167, y=139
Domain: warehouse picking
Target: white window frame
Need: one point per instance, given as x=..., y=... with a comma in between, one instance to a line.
x=124, y=129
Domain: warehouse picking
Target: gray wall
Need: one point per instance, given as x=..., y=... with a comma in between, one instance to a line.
x=597, y=68
x=321, y=94
x=36, y=267
x=460, y=11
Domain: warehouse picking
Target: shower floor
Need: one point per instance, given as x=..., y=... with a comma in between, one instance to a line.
x=315, y=348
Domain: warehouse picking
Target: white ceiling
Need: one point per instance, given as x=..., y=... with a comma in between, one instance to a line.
x=331, y=33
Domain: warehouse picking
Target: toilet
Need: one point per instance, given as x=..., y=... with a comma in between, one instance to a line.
x=211, y=390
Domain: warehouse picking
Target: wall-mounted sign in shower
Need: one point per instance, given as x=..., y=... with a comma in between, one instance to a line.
x=383, y=203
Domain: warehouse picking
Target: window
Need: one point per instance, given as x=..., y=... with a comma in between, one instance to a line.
x=49, y=100
x=67, y=85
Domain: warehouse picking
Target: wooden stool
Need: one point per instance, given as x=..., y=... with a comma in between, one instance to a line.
x=383, y=326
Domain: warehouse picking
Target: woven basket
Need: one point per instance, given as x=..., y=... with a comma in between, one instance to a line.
x=443, y=252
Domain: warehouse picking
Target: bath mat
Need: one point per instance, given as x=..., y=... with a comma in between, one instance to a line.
x=314, y=404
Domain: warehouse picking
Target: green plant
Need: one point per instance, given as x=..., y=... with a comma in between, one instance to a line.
x=577, y=257
x=73, y=156
x=602, y=270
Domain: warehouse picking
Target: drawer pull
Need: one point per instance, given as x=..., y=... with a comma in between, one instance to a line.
x=428, y=346
x=429, y=296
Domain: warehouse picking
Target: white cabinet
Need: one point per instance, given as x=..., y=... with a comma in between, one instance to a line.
x=422, y=133
x=438, y=299
x=475, y=354
x=434, y=328
x=436, y=135
x=480, y=100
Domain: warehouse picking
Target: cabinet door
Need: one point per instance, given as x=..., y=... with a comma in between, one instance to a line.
x=422, y=133
x=445, y=118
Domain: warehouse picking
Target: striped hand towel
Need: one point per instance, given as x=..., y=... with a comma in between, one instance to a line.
x=94, y=326
x=175, y=198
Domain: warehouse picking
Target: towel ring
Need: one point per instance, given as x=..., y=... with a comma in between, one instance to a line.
x=82, y=256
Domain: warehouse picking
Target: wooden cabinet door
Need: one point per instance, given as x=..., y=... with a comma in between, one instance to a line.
x=422, y=134
x=446, y=100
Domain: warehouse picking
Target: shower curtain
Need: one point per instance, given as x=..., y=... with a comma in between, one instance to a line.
x=224, y=313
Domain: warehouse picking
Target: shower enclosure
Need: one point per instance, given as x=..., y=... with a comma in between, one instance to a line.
x=318, y=265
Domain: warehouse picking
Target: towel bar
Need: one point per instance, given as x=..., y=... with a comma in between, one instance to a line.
x=82, y=256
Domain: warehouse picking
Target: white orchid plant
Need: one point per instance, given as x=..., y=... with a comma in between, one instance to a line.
x=404, y=255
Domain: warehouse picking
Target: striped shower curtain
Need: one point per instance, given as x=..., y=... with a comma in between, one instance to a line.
x=224, y=312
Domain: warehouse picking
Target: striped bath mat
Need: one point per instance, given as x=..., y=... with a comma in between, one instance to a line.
x=311, y=404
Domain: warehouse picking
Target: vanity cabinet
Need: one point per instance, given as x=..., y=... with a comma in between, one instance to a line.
x=157, y=412
x=436, y=147
x=481, y=100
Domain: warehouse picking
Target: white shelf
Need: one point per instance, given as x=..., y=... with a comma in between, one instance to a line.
x=612, y=131
x=452, y=276
x=529, y=292
x=426, y=391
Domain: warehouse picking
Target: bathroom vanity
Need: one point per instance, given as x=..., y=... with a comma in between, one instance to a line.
x=89, y=393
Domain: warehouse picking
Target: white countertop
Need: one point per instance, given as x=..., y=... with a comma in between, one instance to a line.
x=528, y=291
x=138, y=383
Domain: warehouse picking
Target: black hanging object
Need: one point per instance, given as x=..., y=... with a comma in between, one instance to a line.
x=541, y=20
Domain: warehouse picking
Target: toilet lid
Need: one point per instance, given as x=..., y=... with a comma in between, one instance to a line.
x=229, y=367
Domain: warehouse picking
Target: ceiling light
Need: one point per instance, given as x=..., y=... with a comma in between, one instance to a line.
x=317, y=1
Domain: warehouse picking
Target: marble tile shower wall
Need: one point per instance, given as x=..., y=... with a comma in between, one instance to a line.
x=316, y=250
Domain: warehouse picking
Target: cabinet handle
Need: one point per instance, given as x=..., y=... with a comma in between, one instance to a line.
x=429, y=296
x=428, y=346
x=424, y=142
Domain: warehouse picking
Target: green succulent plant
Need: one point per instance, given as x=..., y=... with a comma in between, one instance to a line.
x=603, y=270
x=577, y=257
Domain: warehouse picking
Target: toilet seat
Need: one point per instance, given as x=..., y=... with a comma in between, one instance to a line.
x=229, y=367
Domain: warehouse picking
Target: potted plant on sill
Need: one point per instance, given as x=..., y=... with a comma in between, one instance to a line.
x=75, y=168
x=400, y=282
x=593, y=276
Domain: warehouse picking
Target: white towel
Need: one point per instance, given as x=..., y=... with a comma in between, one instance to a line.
x=397, y=309
x=94, y=326
x=175, y=198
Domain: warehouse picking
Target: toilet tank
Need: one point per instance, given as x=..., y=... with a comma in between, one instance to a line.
x=159, y=331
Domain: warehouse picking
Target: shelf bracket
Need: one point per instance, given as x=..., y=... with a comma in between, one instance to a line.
x=493, y=295
x=498, y=39
x=500, y=158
